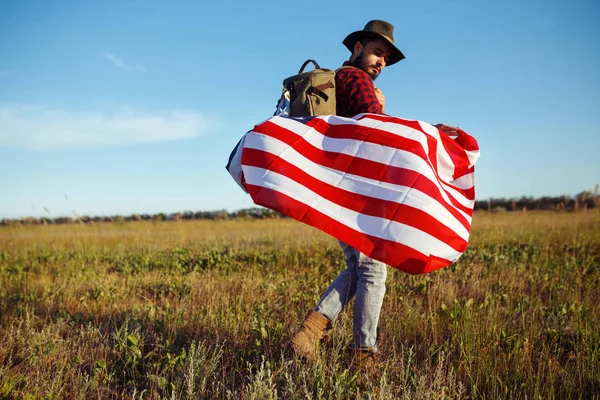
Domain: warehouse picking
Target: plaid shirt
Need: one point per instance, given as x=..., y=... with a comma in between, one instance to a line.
x=355, y=93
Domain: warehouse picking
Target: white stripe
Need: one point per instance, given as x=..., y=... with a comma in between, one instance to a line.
x=444, y=162
x=358, y=184
x=374, y=152
x=235, y=167
x=402, y=130
x=374, y=226
x=473, y=156
x=465, y=182
x=300, y=129
x=457, y=195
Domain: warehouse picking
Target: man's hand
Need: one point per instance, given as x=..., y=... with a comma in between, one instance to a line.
x=448, y=130
x=381, y=99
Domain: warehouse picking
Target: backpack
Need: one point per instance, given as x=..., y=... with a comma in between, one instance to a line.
x=308, y=93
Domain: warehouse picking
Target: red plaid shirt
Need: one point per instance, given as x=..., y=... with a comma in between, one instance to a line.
x=355, y=93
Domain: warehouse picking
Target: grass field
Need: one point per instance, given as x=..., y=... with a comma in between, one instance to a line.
x=200, y=309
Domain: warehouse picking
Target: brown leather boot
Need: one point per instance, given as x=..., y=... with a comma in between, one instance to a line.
x=305, y=342
x=363, y=360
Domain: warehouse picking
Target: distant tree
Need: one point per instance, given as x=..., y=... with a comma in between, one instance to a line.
x=159, y=217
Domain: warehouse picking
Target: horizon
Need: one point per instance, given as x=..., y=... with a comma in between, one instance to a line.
x=78, y=216
x=121, y=109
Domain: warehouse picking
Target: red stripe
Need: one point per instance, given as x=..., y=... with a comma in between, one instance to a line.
x=470, y=192
x=386, y=138
x=366, y=134
x=456, y=148
x=457, y=154
x=394, y=254
x=278, y=132
x=466, y=141
x=380, y=136
x=432, y=142
x=365, y=168
x=363, y=204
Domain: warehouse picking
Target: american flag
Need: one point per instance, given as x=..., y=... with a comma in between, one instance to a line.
x=400, y=191
x=283, y=106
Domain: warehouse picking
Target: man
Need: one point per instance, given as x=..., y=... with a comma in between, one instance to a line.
x=364, y=278
x=372, y=49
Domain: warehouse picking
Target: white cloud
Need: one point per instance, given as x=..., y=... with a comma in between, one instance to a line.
x=48, y=128
x=120, y=63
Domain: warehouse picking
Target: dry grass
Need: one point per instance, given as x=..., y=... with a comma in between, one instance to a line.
x=202, y=308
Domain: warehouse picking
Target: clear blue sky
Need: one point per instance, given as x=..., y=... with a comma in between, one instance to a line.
x=121, y=107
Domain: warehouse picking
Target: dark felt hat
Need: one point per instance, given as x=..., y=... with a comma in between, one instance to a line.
x=376, y=29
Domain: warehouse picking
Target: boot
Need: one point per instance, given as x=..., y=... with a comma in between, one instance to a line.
x=305, y=342
x=363, y=360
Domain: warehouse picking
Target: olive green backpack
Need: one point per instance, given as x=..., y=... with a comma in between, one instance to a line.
x=311, y=93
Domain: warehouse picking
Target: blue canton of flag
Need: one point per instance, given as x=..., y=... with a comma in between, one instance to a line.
x=283, y=108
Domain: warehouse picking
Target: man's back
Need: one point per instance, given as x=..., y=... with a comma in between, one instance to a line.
x=355, y=93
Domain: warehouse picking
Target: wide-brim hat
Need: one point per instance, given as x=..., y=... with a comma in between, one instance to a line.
x=376, y=29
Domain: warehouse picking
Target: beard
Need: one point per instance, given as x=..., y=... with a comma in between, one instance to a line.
x=361, y=63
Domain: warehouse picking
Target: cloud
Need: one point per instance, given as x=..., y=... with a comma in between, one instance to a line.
x=120, y=63
x=49, y=128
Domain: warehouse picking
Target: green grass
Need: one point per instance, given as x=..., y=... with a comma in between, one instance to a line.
x=201, y=309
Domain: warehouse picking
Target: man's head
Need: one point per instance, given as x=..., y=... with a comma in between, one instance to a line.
x=371, y=55
x=373, y=47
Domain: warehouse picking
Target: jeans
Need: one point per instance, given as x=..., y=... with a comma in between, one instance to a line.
x=365, y=279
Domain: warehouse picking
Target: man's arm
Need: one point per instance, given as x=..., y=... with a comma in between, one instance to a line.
x=448, y=130
x=381, y=99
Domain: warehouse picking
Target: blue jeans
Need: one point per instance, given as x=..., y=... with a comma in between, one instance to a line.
x=365, y=279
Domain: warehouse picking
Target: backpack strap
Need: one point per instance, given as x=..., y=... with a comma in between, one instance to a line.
x=306, y=63
x=318, y=90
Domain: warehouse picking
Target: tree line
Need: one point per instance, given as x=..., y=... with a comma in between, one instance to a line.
x=580, y=202
x=250, y=213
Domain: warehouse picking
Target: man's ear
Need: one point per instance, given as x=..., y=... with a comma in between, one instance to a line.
x=357, y=47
